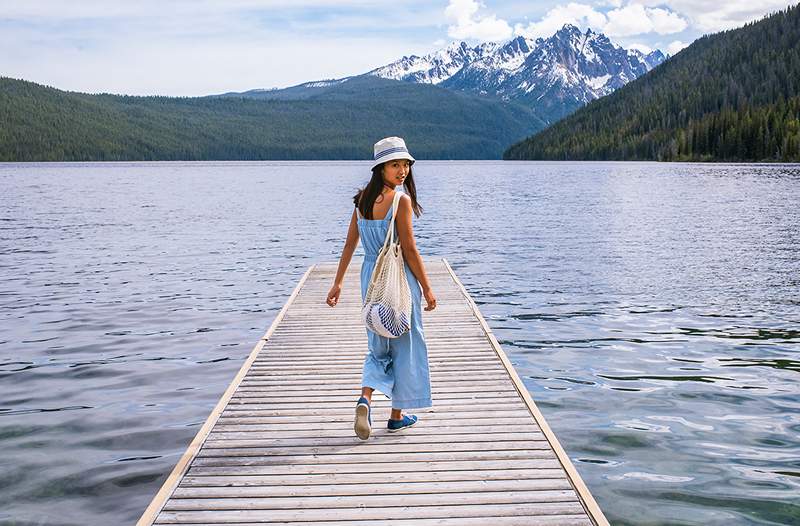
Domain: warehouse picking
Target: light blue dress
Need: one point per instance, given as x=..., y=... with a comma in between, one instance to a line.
x=397, y=367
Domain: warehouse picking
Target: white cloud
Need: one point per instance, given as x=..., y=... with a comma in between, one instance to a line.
x=710, y=16
x=636, y=19
x=581, y=15
x=644, y=48
x=675, y=46
x=620, y=18
x=467, y=23
x=628, y=20
x=666, y=22
x=632, y=19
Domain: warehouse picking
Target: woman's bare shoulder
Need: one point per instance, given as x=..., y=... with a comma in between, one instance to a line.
x=404, y=207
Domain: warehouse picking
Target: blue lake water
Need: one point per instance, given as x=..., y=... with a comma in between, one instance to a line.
x=653, y=311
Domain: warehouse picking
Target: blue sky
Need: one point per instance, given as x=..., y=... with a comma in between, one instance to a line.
x=199, y=47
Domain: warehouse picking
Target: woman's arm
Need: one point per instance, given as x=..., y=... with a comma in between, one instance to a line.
x=411, y=255
x=350, y=245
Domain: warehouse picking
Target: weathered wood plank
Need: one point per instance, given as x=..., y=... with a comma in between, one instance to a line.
x=201, y=489
x=337, y=502
x=290, y=425
x=471, y=406
x=442, y=433
x=268, y=439
x=436, y=389
x=254, y=448
x=317, y=369
x=228, y=458
x=346, y=395
x=531, y=509
x=388, y=469
x=356, y=379
x=334, y=418
x=549, y=520
x=359, y=483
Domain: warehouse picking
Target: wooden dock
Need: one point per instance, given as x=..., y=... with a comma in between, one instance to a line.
x=279, y=447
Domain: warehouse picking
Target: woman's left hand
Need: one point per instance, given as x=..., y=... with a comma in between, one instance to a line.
x=430, y=299
x=333, y=295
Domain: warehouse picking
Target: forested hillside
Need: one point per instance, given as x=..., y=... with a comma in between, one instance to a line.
x=731, y=96
x=45, y=124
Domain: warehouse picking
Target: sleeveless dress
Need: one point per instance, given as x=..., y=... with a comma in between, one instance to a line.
x=397, y=367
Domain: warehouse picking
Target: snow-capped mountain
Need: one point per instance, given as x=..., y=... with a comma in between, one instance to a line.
x=556, y=75
x=434, y=67
x=492, y=73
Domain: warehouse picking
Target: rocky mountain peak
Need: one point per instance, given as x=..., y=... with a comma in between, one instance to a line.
x=558, y=73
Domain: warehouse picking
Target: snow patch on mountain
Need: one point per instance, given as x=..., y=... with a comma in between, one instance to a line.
x=598, y=83
x=323, y=83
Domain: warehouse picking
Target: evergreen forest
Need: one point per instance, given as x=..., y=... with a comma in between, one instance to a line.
x=39, y=123
x=731, y=96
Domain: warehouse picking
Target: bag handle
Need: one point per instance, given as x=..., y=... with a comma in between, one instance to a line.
x=390, y=234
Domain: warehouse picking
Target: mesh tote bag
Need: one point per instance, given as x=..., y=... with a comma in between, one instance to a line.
x=387, y=304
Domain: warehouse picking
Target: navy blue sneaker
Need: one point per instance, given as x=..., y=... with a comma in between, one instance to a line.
x=363, y=425
x=396, y=425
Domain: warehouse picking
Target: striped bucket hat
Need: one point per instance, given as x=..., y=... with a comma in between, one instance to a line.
x=389, y=149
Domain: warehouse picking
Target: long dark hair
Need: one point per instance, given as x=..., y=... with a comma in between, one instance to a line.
x=365, y=197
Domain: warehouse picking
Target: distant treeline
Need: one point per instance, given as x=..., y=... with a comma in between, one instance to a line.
x=732, y=96
x=40, y=123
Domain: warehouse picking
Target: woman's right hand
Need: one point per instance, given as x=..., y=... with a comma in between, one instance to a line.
x=430, y=299
x=333, y=295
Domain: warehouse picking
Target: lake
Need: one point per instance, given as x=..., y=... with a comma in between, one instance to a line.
x=652, y=310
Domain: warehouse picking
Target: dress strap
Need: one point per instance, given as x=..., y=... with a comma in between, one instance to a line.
x=389, y=241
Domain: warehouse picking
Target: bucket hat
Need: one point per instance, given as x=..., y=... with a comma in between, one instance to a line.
x=389, y=149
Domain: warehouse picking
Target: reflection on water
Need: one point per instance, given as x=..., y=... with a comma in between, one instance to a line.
x=651, y=309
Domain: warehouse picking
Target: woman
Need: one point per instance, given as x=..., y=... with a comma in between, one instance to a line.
x=398, y=367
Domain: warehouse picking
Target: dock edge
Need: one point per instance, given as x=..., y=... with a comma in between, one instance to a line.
x=151, y=513
x=585, y=496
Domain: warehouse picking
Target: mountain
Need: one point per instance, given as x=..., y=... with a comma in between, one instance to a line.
x=329, y=120
x=435, y=67
x=553, y=76
x=731, y=96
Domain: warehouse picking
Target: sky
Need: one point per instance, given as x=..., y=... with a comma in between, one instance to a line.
x=202, y=47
